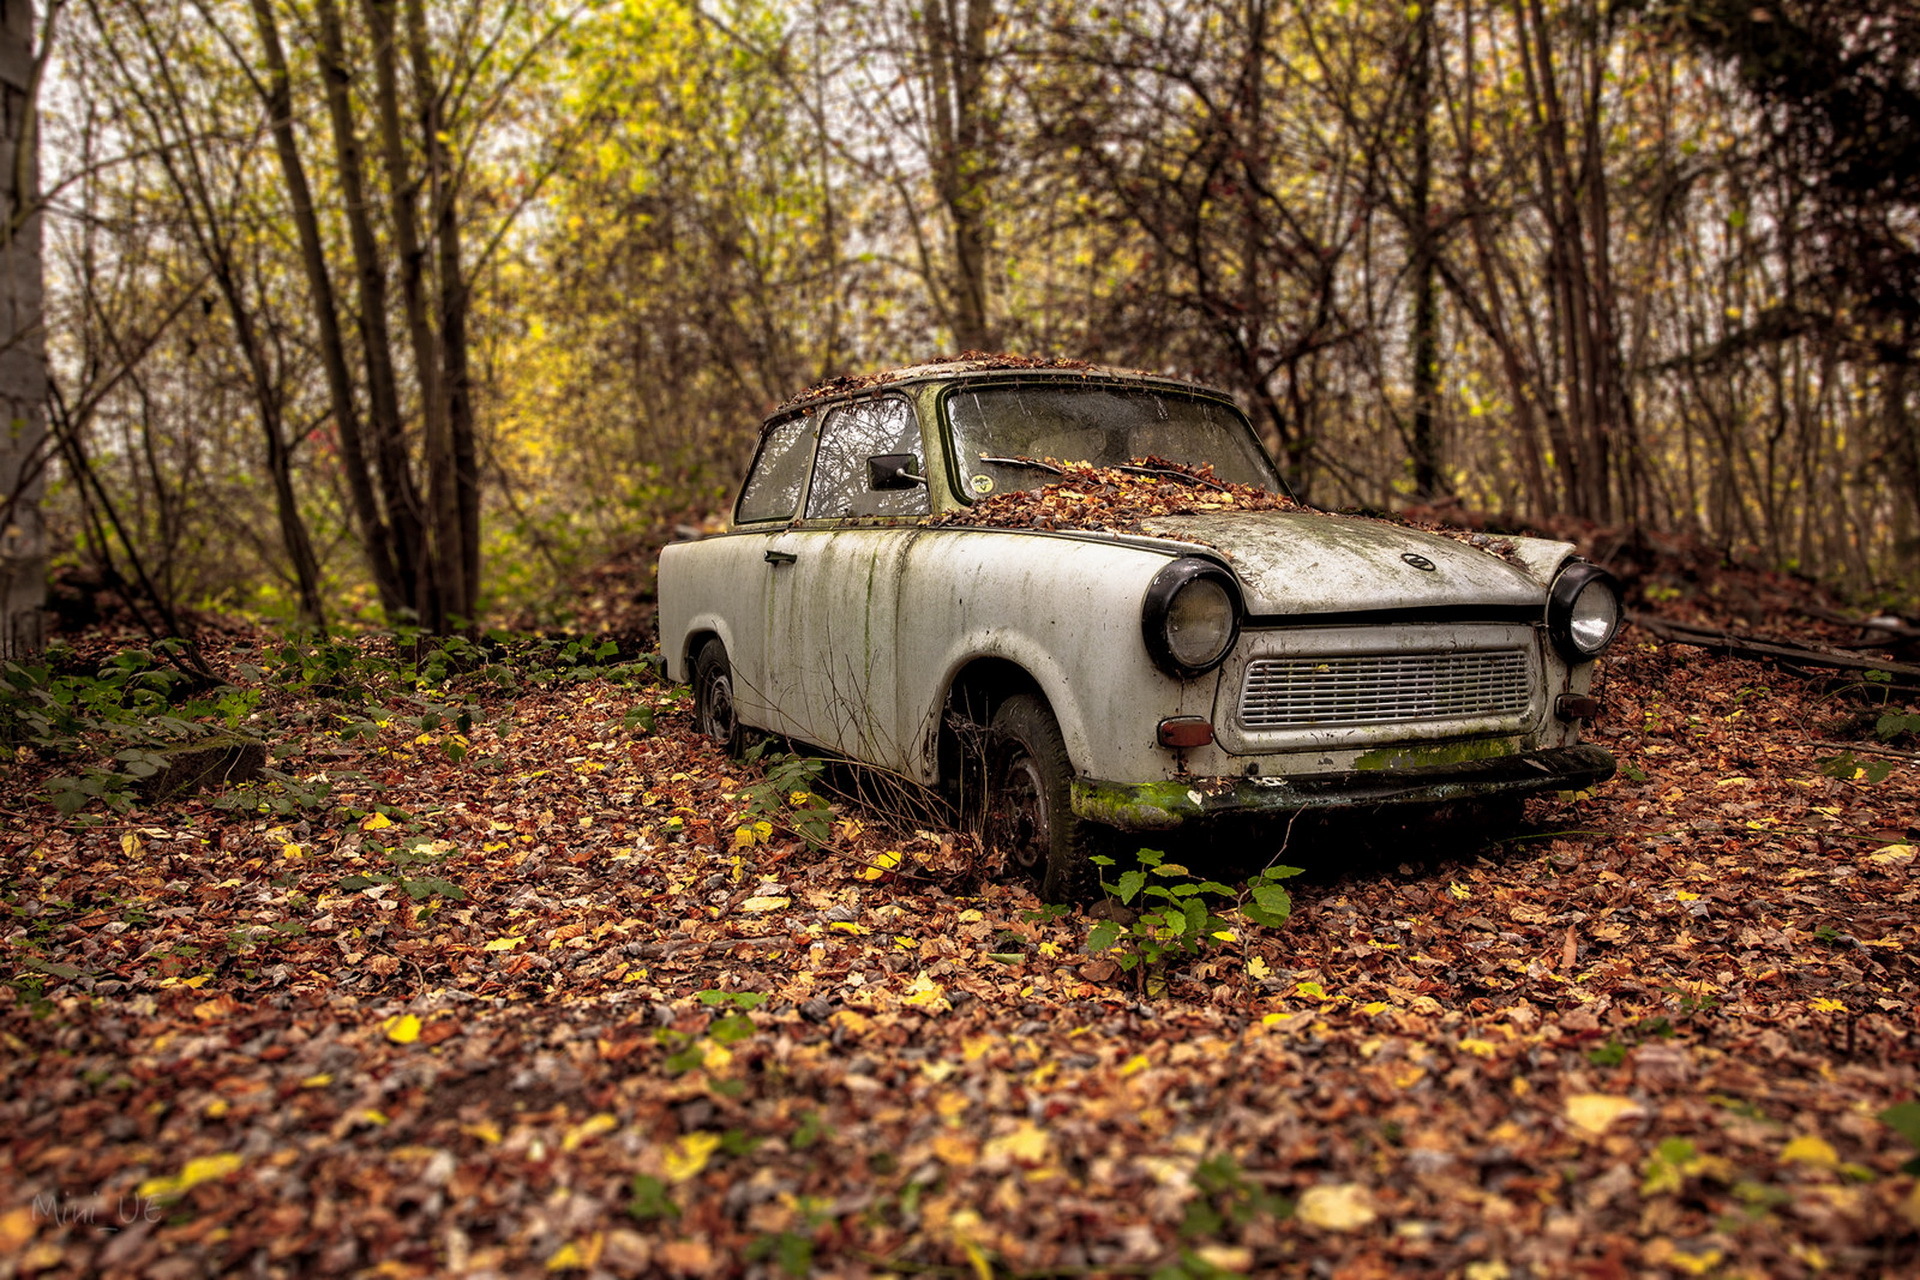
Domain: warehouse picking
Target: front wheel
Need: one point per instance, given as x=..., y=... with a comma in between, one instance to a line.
x=713, y=708
x=1030, y=816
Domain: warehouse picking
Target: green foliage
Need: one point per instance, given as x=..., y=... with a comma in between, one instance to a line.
x=1178, y=915
x=1847, y=767
x=1904, y=1119
x=787, y=796
x=415, y=853
x=1226, y=1196
x=649, y=1200
x=124, y=710
x=1895, y=724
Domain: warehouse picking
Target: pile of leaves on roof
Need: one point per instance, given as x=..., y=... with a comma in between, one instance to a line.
x=1114, y=499
x=970, y=361
x=505, y=970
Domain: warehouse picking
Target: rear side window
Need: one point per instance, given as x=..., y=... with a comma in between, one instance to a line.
x=853, y=434
x=772, y=490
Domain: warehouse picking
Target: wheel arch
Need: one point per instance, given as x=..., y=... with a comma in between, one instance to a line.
x=977, y=690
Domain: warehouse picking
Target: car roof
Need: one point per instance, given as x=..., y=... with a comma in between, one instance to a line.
x=973, y=368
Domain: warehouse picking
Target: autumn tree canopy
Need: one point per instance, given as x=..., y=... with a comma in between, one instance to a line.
x=421, y=305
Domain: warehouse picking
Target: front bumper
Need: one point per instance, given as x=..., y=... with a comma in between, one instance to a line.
x=1161, y=806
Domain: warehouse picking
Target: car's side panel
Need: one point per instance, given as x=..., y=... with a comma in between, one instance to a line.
x=724, y=585
x=1065, y=610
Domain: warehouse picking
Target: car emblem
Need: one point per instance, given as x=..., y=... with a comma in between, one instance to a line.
x=1418, y=561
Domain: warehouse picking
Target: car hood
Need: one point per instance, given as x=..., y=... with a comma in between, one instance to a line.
x=1309, y=562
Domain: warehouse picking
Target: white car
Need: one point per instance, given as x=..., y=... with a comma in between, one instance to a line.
x=1139, y=674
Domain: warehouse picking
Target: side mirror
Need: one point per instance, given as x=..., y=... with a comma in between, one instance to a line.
x=893, y=471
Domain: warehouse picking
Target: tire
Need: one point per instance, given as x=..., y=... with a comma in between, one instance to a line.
x=1029, y=812
x=714, y=713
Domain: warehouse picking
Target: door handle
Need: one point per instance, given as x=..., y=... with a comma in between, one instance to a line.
x=780, y=557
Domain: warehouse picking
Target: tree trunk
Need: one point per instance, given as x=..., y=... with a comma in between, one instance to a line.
x=419, y=582
x=1425, y=337
x=956, y=43
x=375, y=534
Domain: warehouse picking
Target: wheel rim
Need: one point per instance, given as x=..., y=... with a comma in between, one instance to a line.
x=1021, y=828
x=716, y=713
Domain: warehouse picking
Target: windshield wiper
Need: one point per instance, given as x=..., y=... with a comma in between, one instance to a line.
x=1023, y=462
x=1171, y=474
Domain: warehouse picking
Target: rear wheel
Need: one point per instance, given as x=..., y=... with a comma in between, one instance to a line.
x=1030, y=816
x=713, y=708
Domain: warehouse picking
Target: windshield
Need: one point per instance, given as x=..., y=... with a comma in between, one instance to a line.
x=1001, y=434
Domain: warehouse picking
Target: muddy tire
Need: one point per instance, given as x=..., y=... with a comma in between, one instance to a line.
x=714, y=713
x=1029, y=817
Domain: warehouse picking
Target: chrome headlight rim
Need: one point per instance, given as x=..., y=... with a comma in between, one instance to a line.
x=1564, y=596
x=1157, y=608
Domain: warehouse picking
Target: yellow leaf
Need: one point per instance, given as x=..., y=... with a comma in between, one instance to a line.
x=1681, y=895
x=1027, y=1144
x=1825, y=1005
x=291, y=851
x=375, y=821
x=1594, y=1113
x=319, y=1081
x=690, y=1155
x=765, y=904
x=203, y=1169
x=1480, y=1048
x=1345, y=1206
x=1492, y=1269
x=130, y=843
x=1137, y=1063
x=882, y=863
x=579, y=1255
x=1459, y=891
x=17, y=1226
x=404, y=1029
x=502, y=944
x=1231, y=1259
x=587, y=1130
x=1258, y=968
x=1893, y=854
x=924, y=993
x=486, y=1131
x=1809, y=1149
x=955, y=1149
x=1696, y=1264
x=846, y=926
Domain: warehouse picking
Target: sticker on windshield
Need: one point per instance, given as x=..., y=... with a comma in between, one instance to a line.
x=983, y=484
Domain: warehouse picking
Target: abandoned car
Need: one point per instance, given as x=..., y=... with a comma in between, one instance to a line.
x=1084, y=595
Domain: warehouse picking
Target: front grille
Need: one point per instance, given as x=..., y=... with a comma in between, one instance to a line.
x=1386, y=688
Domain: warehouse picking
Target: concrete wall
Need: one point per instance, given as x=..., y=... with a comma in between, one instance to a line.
x=23, y=359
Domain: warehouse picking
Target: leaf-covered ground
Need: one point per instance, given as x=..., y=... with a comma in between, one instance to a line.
x=560, y=1004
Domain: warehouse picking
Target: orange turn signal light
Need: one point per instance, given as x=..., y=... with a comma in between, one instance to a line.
x=1185, y=731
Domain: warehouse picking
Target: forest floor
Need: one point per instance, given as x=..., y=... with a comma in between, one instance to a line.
x=571, y=991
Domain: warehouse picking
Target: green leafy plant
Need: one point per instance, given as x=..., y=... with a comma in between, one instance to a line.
x=415, y=853
x=1847, y=767
x=1178, y=915
x=1904, y=1119
x=1226, y=1196
x=787, y=797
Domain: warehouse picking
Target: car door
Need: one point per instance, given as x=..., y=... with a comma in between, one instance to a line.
x=837, y=654
x=750, y=589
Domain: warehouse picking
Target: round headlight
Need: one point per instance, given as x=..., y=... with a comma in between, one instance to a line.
x=1583, y=611
x=1191, y=617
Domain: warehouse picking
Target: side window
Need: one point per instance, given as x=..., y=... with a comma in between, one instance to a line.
x=853, y=434
x=772, y=491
